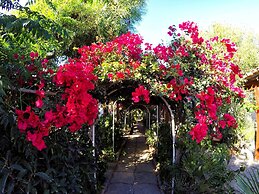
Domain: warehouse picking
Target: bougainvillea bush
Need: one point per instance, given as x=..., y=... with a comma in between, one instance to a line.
x=199, y=74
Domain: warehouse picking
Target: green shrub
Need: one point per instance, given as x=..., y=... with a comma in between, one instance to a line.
x=66, y=166
x=151, y=136
x=164, y=154
x=203, y=169
x=104, y=137
x=200, y=168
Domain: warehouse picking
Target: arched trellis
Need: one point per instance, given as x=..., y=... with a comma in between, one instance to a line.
x=137, y=106
x=113, y=112
x=173, y=126
x=128, y=109
x=173, y=130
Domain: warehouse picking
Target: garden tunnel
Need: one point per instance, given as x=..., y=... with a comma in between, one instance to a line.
x=139, y=110
x=118, y=99
x=190, y=82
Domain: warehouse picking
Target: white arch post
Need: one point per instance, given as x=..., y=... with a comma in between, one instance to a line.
x=173, y=137
x=94, y=154
x=157, y=125
x=125, y=120
x=113, y=126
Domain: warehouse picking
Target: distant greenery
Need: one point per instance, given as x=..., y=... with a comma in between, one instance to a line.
x=247, y=43
x=55, y=28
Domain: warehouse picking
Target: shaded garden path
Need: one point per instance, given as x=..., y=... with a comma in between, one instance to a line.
x=134, y=173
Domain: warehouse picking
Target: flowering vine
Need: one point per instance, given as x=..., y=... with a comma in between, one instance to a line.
x=141, y=93
x=188, y=70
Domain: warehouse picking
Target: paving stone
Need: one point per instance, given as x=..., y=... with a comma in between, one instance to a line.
x=125, y=167
x=119, y=188
x=143, y=157
x=108, y=173
x=129, y=158
x=146, y=189
x=111, y=165
x=145, y=167
x=134, y=172
x=141, y=140
x=130, y=151
x=123, y=177
x=145, y=177
x=142, y=148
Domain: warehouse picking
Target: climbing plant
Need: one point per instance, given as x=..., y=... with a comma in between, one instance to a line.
x=198, y=76
x=198, y=72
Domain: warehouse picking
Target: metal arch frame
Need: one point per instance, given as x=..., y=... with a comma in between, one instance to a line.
x=113, y=125
x=173, y=129
x=92, y=127
x=149, y=114
x=157, y=124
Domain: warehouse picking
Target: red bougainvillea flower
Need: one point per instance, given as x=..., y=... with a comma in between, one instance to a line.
x=179, y=88
x=222, y=124
x=192, y=29
x=36, y=139
x=40, y=95
x=15, y=56
x=120, y=75
x=199, y=132
x=230, y=120
x=39, y=103
x=141, y=93
x=135, y=64
x=231, y=46
x=26, y=119
x=80, y=107
x=44, y=63
x=110, y=76
x=34, y=55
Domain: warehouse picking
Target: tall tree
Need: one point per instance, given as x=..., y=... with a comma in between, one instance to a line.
x=92, y=20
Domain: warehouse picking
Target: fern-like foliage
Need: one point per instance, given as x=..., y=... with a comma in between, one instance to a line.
x=35, y=24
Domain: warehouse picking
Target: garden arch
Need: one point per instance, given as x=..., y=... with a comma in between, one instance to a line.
x=188, y=71
x=138, y=106
x=124, y=89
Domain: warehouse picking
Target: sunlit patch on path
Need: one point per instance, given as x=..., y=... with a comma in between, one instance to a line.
x=135, y=172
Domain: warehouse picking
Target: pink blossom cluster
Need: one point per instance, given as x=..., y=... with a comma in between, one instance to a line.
x=76, y=107
x=141, y=93
x=206, y=116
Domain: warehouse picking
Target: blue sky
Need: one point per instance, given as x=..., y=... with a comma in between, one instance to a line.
x=160, y=14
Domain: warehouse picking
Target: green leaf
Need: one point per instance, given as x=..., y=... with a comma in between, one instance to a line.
x=46, y=192
x=17, y=167
x=243, y=184
x=43, y=176
x=10, y=187
x=27, y=165
x=3, y=182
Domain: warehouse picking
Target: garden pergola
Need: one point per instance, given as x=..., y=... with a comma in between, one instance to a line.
x=252, y=83
x=189, y=78
x=122, y=90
